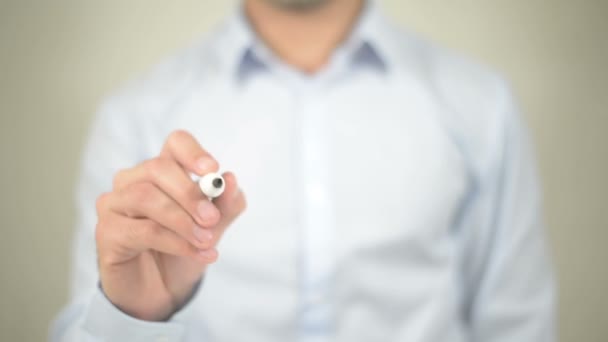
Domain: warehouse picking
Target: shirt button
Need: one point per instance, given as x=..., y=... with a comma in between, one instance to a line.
x=162, y=338
x=316, y=299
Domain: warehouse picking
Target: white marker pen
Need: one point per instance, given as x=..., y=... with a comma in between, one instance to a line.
x=212, y=184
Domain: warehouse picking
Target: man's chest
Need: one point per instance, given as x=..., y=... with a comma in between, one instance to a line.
x=375, y=159
x=353, y=189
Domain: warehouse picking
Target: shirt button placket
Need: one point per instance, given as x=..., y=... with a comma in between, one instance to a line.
x=317, y=227
x=162, y=338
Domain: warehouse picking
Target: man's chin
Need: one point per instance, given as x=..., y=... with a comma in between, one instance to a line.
x=298, y=5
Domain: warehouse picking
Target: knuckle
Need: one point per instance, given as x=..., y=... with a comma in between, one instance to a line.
x=103, y=232
x=155, y=167
x=141, y=192
x=104, y=259
x=138, y=232
x=99, y=232
x=117, y=181
x=160, y=166
x=149, y=232
x=101, y=201
x=176, y=136
x=131, y=232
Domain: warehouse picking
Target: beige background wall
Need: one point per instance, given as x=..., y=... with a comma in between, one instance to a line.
x=58, y=58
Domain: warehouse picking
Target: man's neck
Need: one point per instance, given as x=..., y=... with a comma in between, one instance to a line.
x=303, y=38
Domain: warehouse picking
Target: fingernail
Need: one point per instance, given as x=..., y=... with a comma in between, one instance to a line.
x=205, y=165
x=208, y=255
x=203, y=235
x=208, y=212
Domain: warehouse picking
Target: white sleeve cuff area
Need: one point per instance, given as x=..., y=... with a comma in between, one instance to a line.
x=103, y=320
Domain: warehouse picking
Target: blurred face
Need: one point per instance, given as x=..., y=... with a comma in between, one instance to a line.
x=298, y=4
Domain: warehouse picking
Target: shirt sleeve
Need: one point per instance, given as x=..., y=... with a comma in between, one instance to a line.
x=116, y=142
x=510, y=283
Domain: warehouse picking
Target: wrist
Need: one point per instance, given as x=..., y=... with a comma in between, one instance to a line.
x=144, y=309
x=106, y=322
x=157, y=310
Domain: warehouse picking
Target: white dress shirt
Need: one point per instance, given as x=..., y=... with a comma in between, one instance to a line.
x=392, y=196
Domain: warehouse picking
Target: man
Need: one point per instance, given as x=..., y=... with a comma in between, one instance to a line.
x=391, y=193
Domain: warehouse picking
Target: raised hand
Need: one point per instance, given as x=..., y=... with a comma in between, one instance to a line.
x=156, y=231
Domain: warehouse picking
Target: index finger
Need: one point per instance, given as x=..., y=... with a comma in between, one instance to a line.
x=182, y=147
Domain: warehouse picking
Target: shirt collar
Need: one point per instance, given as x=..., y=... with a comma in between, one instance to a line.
x=365, y=41
x=243, y=54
